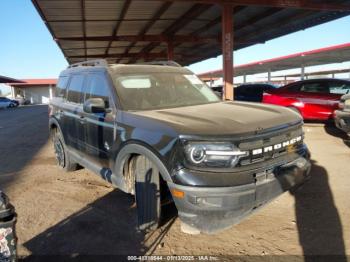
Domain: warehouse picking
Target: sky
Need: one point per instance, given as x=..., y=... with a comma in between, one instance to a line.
x=27, y=49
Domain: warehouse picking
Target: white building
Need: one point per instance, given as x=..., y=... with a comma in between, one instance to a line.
x=36, y=91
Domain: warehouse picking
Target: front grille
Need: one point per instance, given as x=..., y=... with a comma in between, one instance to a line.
x=272, y=147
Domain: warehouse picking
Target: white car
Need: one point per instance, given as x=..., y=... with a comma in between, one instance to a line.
x=7, y=103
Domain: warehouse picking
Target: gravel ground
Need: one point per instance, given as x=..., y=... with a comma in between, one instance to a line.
x=80, y=214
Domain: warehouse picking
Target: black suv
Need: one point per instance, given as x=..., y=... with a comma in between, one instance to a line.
x=158, y=132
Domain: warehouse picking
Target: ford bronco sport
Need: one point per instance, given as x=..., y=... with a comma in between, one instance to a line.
x=158, y=132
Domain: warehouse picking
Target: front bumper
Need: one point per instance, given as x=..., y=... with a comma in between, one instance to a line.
x=211, y=209
x=342, y=120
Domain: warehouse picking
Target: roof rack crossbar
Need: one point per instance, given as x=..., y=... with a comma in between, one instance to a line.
x=96, y=62
x=163, y=63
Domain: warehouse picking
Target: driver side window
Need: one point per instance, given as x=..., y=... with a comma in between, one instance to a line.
x=98, y=88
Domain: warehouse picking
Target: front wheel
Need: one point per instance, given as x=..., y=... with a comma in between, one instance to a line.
x=63, y=159
x=11, y=105
x=147, y=193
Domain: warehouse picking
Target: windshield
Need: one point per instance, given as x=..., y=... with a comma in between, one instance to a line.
x=161, y=90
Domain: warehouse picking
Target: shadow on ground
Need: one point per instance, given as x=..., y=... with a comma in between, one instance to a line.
x=319, y=226
x=106, y=227
x=23, y=132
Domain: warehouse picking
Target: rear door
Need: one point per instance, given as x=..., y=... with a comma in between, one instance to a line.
x=316, y=98
x=73, y=112
x=99, y=127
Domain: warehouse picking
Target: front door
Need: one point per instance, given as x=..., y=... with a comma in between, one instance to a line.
x=99, y=127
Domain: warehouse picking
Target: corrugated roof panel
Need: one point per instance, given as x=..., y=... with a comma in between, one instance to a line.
x=135, y=49
x=99, y=28
x=265, y=28
x=159, y=27
x=176, y=10
x=103, y=10
x=73, y=52
x=63, y=14
x=120, y=43
x=116, y=50
x=59, y=4
x=96, y=51
x=158, y=49
x=71, y=44
x=142, y=9
x=190, y=27
x=92, y=44
x=211, y=13
x=67, y=29
x=130, y=28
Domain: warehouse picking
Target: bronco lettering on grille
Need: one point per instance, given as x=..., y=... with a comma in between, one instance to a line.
x=275, y=147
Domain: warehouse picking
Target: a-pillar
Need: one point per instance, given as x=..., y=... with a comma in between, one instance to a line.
x=227, y=50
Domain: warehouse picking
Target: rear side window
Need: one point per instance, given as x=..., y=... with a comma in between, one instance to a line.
x=320, y=87
x=293, y=88
x=340, y=88
x=98, y=88
x=75, y=89
x=61, y=86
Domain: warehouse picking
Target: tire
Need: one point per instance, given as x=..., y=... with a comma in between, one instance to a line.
x=12, y=105
x=61, y=154
x=147, y=194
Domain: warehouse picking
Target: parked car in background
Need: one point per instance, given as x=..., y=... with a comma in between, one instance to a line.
x=315, y=99
x=247, y=92
x=342, y=116
x=252, y=92
x=7, y=103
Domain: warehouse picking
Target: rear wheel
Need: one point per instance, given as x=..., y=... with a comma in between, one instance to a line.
x=147, y=193
x=63, y=159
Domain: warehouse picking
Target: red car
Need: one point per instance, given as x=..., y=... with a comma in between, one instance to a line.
x=315, y=99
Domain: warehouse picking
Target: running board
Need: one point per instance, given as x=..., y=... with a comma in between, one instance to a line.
x=105, y=173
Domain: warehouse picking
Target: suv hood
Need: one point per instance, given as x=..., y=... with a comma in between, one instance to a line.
x=223, y=118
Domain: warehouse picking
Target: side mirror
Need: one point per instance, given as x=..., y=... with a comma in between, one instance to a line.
x=94, y=105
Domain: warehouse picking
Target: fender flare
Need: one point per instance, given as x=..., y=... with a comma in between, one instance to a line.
x=129, y=149
x=53, y=121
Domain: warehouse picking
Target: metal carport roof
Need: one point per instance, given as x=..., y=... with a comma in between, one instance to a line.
x=6, y=80
x=327, y=55
x=128, y=31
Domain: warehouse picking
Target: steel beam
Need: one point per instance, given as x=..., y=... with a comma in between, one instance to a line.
x=117, y=25
x=147, y=56
x=82, y=6
x=145, y=38
x=227, y=51
x=164, y=7
x=297, y=4
x=195, y=11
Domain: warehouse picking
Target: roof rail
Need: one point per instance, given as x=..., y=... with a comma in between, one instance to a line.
x=163, y=63
x=97, y=62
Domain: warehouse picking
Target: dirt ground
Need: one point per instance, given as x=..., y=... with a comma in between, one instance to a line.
x=80, y=214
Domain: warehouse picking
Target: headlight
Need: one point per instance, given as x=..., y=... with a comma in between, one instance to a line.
x=213, y=154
